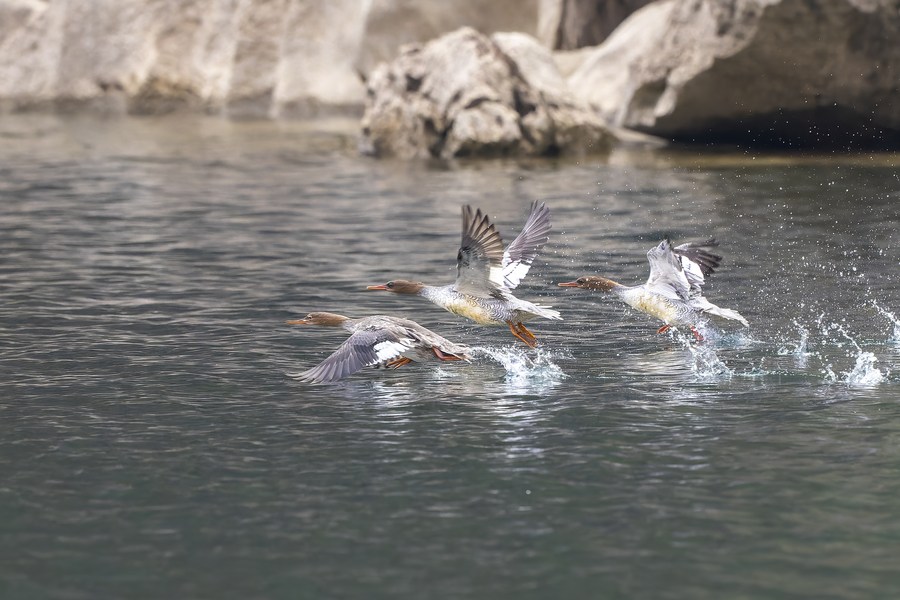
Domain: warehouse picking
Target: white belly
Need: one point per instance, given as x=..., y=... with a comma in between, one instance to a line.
x=655, y=306
x=470, y=310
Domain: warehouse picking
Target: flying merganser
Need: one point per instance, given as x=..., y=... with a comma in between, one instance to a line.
x=486, y=274
x=674, y=291
x=379, y=340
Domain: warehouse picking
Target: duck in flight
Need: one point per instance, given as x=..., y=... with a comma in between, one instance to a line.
x=379, y=340
x=487, y=274
x=674, y=291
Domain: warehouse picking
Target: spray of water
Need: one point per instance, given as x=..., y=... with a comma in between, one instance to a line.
x=895, y=335
x=705, y=363
x=864, y=372
x=800, y=349
x=522, y=365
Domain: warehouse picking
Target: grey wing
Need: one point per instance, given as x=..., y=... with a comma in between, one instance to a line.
x=480, y=257
x=427, y=338
x=524, y=249
x=364, y=348
x=697, y=262
x=666, y=273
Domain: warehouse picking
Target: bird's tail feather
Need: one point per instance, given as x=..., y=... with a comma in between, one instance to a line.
x=547, y=313
x=727, y=313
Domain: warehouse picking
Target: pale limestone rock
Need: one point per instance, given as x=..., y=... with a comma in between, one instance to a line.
x=15, y=14
x=491, y=130
x=240, y=57
x=317, y=73
x=469, y=94
x=106, y=44
x=29, y=51
x=256, y=58
x=573, y=24
x=569, y=61
x=779, y=72
x=606, y=75
x=536, y=65
x=391, y=24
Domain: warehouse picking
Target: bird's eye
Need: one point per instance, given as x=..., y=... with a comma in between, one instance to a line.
x=582, y=280
x=390, y=285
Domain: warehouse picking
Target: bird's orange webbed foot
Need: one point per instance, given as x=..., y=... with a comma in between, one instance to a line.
x=397, y=362
x=515, y=332
x=697, y=334
x=443, y=355
x=663, y=329
x=523, y=334
x=527, y=334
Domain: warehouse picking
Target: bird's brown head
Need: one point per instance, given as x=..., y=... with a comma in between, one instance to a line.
x=320, y=318
x=399, y=286
x=592, y=282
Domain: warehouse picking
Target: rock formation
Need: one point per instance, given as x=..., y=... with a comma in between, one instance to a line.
x=573, y=24
x=773, y=72
x=469, y=94
x=761, y=72
x=258, y=58
x=235, y=56
x=391, y=24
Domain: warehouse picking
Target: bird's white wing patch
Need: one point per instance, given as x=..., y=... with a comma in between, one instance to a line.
x=524, y=249
x=390, y=349
x=497, y=276
x=514, y=273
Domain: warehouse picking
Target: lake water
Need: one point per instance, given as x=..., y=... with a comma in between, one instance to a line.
x=153, y=445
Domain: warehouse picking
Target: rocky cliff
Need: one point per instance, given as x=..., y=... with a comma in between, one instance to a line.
x=759, y=72
x=237, y=57
x=779, y=73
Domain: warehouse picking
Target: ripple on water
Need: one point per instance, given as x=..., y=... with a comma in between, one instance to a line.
x=144, y=391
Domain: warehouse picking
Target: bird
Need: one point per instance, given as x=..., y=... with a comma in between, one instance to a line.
x=487, y=274
x=379, y=340
x=674, y=291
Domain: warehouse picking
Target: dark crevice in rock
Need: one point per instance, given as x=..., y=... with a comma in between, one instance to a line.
x=552, y=151
x=109, y=86
x=413, y=83
x=476, y=102
x=438, y=137
x=588, y=22
x=522, y=106
x=527, y=135
x=646, y=96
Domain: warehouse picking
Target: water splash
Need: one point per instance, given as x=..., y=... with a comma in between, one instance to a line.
x=803, y=344
x=705, y=363
x=895, y=335
x=864, y=373
x=827, y=329
x=737, y=340
x=522, y=365
x=800, y=350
